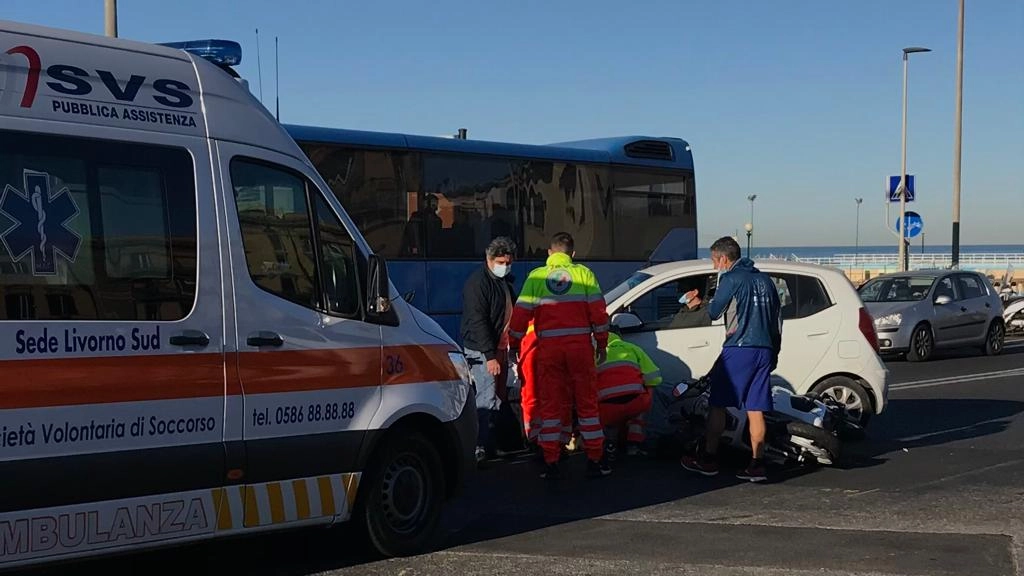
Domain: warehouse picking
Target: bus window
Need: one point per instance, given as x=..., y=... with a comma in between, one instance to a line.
x=470, y=201
x=369, y=185
x=646, y=206
x=568, y=197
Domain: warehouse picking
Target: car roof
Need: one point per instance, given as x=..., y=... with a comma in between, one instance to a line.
x=927, y=273
x=777, y=265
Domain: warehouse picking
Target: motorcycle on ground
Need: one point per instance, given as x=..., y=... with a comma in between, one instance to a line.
x=800, y=428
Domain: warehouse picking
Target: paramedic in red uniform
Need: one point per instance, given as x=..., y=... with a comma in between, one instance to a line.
x=569, y=316
x=528, y=383
x=623, y=395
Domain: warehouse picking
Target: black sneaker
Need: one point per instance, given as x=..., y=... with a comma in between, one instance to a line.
x=551, y=472
x=701, y=465
x=755, y=472
x=610, y=450
x=598, y=469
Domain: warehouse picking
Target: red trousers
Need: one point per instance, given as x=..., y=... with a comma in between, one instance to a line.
x=528, y=393
x=567, y=378
x=631, y=414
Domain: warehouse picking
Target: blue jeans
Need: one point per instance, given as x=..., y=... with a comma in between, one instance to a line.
x=489, y=390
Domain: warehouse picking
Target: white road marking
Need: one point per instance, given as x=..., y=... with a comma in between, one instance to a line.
x=927, y=383
x=917, y=437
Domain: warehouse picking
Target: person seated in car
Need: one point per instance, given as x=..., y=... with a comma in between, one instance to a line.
x=693, y=313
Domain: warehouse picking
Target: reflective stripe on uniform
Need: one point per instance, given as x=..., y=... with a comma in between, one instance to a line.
x=562, y=299
x=633, y=387
x=601, y=328
x=617, y=364
x=589, y=422
x=562, y=332
x=650, y=377
x=591, y=434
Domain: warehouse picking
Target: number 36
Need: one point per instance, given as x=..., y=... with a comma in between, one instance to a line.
x=393, y=364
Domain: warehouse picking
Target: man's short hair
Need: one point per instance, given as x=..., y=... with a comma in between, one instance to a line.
x=501, y=246
x=563, y=242
x=728, y=247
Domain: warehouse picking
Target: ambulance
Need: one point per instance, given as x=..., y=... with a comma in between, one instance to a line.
x=195, y=340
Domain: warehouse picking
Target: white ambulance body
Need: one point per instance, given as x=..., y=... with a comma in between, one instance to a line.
x=195, y=340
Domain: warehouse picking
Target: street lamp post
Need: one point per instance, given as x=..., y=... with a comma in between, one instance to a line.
x=110, y=18
x=903, y=165
x=856, y=234
x=957, y=137
x=750, y=226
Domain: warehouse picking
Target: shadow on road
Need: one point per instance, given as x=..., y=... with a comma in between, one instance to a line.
x=917, y=423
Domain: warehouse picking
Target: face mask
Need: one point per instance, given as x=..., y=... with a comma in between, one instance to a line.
x=684, y=299
x=500, y=270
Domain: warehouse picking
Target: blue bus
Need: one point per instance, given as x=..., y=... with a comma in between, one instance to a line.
x=431, y=205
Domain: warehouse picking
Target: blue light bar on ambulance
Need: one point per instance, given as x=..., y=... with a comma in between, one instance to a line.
x=220, y=52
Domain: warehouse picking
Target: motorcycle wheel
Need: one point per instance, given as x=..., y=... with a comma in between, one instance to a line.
x=822, y=439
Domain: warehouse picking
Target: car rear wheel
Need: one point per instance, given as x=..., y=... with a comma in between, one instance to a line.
x=853, y=397
x=995, y=339
x=922, y=343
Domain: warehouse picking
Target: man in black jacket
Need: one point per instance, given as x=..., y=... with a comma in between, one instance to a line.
x=487, y=300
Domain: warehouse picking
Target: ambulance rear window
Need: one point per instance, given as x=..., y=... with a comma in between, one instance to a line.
x=95, y=229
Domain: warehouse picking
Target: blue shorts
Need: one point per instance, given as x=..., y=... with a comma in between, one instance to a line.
x=741, y=379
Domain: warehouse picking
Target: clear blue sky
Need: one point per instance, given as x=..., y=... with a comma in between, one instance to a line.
x=797, y=101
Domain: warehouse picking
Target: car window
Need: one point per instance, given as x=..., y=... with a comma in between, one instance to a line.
x=633, y=281
x=945, y=287
x=95, y=230
x=896, y=289
x=337, y=262
x=800, y=296
x=659, y=307
x=970, y=287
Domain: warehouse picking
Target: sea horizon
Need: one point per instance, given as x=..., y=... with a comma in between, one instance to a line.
x=826, y=251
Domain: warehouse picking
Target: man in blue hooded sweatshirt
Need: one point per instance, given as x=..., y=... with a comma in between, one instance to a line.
x=753, y=339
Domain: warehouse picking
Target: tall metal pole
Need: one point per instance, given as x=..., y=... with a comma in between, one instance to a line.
x=856, y=236
x=750, y=232
x=904, y=264
x=956, y=138
x=903, y=176
x=110, y=18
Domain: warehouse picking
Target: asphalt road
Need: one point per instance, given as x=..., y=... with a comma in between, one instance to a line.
x=936, y=488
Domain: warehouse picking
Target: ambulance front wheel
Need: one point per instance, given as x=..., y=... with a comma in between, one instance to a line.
x=404, y=494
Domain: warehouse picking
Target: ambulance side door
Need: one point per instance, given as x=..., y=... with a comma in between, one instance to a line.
x=309, y=366
x=112, y=361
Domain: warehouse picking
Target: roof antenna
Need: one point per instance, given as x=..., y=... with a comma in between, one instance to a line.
x=277, y=82
x=259, y=63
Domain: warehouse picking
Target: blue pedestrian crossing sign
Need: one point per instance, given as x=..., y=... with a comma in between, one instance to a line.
x=915, y=224
x=894, y=188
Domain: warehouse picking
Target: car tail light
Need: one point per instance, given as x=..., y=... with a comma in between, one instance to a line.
x=867, y=328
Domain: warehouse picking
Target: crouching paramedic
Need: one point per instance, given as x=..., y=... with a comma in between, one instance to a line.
x=528, y=385
x=623, y=394
x=565, y=303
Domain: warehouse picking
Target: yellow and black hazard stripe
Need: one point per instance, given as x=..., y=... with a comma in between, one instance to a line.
x=270, y=503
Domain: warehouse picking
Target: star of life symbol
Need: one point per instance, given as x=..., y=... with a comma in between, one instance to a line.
x=559, y=281
x=40, y=225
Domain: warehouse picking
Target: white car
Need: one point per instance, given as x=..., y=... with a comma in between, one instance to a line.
x=829, y=345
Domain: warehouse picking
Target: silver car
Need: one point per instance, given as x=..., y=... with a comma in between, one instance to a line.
x=918, y=312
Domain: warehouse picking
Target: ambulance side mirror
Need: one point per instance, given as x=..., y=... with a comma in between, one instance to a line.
x=378, y=288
